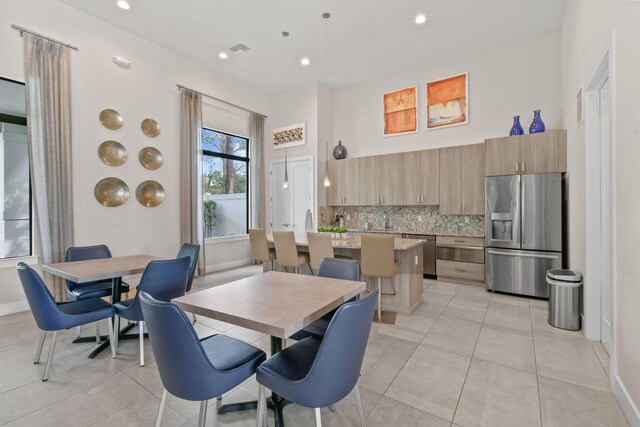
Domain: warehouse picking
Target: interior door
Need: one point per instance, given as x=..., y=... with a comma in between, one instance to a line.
x=289, y=206
x=606, y=299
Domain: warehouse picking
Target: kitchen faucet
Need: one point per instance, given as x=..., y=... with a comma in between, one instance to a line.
x=385, y=224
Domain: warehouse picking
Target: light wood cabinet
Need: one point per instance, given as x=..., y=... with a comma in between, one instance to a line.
x=344, y=188
x=381, y=180
x=462, y=180
x=544, y=152
x=421, y=170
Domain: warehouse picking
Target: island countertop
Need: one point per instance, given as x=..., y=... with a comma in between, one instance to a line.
x=422, y=232
x=353, y=242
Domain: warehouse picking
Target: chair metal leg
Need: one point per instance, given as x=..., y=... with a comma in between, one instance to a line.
x=98, y=337
x=318, y=420
x=77, y=332
x=261, y=412
x=202, y=418
x=214, y=423
x=163, y=400
x=117, y=331
x=39, y=349
x=141, y=327
x=363, y=422
x=332, y=408
x=195, y=319
x=45, y=377
x=379, y=299
x=111, y=338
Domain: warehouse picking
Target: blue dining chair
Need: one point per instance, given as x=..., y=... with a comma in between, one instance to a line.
x=317, y=373
x=53, y=316
x=336, y=269
x=192, y=251
x=164, y=280
x=97, y=289
x=191, y=368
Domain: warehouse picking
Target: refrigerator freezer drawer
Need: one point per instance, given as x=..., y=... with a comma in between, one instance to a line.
x=520, y=272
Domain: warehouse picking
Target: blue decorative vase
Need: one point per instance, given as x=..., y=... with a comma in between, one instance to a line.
x=537, y=125
x=516, y=129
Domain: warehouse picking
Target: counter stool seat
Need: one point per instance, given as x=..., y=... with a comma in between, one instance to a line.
x=287, y=251
x=378, y=260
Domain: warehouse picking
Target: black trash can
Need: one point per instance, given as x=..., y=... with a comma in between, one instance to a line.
x=565, y=288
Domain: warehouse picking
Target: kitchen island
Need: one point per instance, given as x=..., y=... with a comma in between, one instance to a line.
x=403, y=293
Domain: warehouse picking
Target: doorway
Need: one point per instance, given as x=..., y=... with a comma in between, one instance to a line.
x=289, y=206
x=599, y=202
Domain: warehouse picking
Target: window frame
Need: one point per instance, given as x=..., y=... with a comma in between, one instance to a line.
x=246, y=159
x=17, y=120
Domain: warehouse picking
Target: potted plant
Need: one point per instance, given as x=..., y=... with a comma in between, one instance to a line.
x=342, y=232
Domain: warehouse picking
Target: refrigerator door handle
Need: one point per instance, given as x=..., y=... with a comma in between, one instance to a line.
x=490, y=252
x=523, y=197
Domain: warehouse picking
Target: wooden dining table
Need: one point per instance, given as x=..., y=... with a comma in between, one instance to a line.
x=274, y=303
x=102, y=269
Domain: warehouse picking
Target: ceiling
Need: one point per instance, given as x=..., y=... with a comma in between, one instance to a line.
x=367, y=38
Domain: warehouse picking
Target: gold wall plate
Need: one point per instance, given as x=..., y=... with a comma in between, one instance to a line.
x=111, y=192
x=112, y=153
x=150, y=194
x=150, y=127
x=111, y=119
x=150, y=158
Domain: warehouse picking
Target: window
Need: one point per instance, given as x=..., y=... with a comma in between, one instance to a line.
x=15, y=188
x=225, y=183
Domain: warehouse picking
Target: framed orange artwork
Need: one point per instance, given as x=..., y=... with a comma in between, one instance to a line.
x=447, y=101
x=401, y=111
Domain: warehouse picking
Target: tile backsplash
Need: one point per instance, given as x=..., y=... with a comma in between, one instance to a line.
x=404, y=219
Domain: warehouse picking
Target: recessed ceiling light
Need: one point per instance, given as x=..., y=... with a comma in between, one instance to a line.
x=305, y=61
x=123, y=4
x=421, y=19
x=223, y=55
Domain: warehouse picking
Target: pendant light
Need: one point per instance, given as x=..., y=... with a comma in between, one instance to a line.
x=326, y=16
x=285, y=184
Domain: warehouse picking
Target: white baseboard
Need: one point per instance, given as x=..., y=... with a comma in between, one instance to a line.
x=628, y=406
x=13, y=307
x=227, y=265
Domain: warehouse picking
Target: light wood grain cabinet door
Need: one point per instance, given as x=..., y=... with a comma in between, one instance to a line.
x=412, y=170
x=367, y=178
x=472, y=170
x=541, y=152
x=332, y=193
x=502, y=156
x=351, y=189
x=430, y=181
x=390, y=179
x=450, y=180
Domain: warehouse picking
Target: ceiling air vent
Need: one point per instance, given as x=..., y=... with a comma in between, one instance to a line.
x=242, y=50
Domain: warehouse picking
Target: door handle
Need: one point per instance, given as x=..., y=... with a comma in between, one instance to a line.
x=418, y=199
x=516, y=166
x=523, y=166
x=460, y=270
x=523, y=255
x=523, y=196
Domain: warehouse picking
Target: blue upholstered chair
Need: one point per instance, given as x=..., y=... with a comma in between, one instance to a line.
x=318, y=373
x=164, y=280
x=336, y=269
x=97, y=289
x=53, y=316
x=194, y=369
x=192, y=251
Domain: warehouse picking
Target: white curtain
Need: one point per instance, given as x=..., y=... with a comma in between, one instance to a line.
x=191, y=208
x=48, y=92
x=256, y=160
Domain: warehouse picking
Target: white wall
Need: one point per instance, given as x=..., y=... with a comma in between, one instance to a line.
x=586, y=30
x=148, y=90
x=503, y=82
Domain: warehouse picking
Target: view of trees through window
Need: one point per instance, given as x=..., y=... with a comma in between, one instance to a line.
x=225, y=183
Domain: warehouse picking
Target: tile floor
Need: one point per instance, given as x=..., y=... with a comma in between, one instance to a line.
x=465, y=358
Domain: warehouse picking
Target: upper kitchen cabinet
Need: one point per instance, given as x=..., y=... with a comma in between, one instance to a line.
x=544, y=152
x=462, y=180
x=344, y=188
x=421, y=170
x=381, y=180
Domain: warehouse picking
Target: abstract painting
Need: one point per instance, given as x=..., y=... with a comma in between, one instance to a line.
x=447, y=101
x=288, y=136
x=401, y=111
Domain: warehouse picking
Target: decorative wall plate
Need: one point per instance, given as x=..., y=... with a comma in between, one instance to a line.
x=112, y=153
x=111, y=119
x=111, y=192
x=150, y=127
x=150, y=158
x=150, y=194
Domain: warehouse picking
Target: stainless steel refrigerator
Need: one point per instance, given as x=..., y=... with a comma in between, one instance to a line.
x=523, y=232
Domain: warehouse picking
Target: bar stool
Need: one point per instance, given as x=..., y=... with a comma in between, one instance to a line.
x=260, y=250
x=320, y=247
x=287, y=251
x=378, y=260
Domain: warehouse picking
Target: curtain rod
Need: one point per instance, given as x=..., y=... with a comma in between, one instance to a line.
x=24, y=30
x=222, y=100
